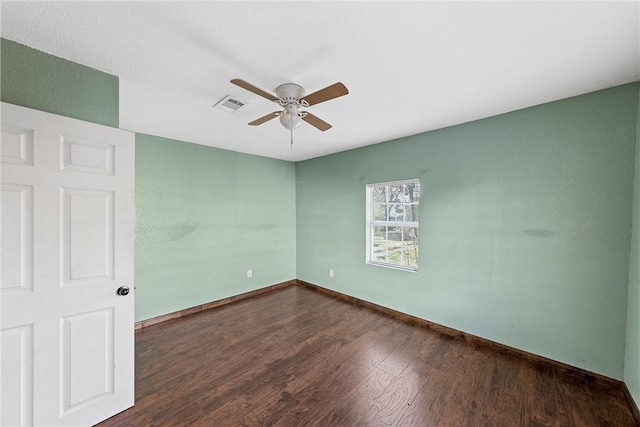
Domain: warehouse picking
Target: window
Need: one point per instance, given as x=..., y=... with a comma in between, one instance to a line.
x=392, y=224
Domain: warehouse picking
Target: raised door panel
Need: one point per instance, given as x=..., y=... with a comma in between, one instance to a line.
x=87, y=156
x=16, y=146
x=87, y=343
x=16, y=237
x=87, y=235
x=16, y=364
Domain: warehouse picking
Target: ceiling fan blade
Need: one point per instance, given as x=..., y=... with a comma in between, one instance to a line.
x=252, y=88
x=329, y=92
x=316, y=122
x=264, y=119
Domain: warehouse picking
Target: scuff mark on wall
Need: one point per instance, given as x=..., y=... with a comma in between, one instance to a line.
x=539, y=232
x=178, y=231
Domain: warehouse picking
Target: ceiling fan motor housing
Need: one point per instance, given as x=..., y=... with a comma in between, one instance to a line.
x=289, y=93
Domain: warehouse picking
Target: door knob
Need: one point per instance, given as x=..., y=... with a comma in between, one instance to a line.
x=123, y=290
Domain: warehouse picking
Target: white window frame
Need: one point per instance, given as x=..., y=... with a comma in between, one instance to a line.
x=371, y=223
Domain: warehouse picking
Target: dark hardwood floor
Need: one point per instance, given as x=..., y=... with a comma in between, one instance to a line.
x=297, y=357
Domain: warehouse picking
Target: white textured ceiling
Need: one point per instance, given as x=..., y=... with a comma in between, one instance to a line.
x=410, y=66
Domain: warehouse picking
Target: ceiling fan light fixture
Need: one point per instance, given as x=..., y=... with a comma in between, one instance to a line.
x=290, y=120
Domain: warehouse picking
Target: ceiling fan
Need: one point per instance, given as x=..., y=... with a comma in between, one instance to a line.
x=291, y=97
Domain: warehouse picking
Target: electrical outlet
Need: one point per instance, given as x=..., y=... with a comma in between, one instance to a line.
x=330, y=273
x=249, y=273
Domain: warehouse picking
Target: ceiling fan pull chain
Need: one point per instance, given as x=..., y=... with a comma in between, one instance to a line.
x=291, y=132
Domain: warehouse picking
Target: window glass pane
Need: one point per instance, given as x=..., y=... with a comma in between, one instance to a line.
x=379, y=248
x=410, y=234
x=379, y=256
x=395, y=193
x=394, y=234
x=394, y=245
x=379, y=234
x=410, y=246
x=380, y=212
x=380, y=194
x=396, y=212
x=413, y=192
x=407, y=193
x=411, y=213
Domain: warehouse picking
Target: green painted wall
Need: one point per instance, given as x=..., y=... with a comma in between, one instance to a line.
x=203, y=217
x=632, y=356
x=524, y=232
x=35, y=79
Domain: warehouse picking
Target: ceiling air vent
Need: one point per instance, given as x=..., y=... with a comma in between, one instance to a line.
x=229, y=104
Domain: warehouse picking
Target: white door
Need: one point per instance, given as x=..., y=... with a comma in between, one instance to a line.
x=67, y=338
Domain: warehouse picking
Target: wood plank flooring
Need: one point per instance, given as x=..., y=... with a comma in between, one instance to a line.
x=297, y=357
